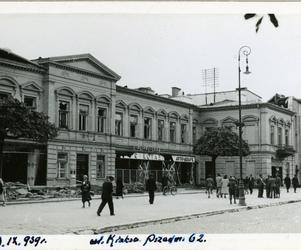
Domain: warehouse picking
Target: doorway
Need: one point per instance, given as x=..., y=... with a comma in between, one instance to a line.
x=209, y=169
x=82, y=166
x=15, y=167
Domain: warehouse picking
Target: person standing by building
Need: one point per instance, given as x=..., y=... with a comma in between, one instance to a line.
x=225, y=182
x=219, y=181
x=232, y=189
x=251, y=184
x=86, y=188
x=268, y=186
x=119, y=188
x=246, y=184
x=287, y=182
x=2, y=192
x=260, y=183
x=278, y=185
x=107, y=196
x=272, y=187
x=151, y=188
x=295, y=183
x=209, y=185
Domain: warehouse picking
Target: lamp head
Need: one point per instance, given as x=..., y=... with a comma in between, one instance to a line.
x=247, y=72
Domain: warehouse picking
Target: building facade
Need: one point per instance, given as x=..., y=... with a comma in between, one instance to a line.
x=106, y=129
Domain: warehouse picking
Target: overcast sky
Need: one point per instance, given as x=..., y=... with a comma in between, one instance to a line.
x=165, y=50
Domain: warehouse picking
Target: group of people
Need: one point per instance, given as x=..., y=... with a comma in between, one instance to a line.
x=225, y=186
x=107, y=192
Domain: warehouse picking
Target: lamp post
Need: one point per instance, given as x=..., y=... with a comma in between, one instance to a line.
x=244, y=50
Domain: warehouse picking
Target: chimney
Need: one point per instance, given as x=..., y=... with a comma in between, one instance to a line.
x=175, y=91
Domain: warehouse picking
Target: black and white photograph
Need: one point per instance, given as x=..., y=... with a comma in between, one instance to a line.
x=170, y=121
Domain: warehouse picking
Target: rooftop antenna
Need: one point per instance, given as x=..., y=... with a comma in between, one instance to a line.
x=210, y=79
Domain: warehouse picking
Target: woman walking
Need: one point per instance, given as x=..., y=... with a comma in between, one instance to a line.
x=86, y=188
x=287, y=182
x=225, y=183
x=295, y=182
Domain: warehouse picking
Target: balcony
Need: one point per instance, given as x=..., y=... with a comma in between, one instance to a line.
x=284, y=151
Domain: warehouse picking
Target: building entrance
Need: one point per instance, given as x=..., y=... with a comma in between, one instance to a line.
x=209, y=169
x=15, y=167
x=82, y=166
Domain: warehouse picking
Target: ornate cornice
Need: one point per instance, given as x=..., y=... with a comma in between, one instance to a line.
x=22, y=66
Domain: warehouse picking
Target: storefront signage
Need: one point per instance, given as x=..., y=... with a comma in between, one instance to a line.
x=146, y=157
x=178, y=158
x=146, y=149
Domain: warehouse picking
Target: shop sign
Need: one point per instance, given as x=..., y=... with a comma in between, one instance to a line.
x=179, y=158
x=146, y=157
x=146, y=149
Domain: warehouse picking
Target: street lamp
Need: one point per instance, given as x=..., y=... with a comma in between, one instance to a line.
x=245, y=51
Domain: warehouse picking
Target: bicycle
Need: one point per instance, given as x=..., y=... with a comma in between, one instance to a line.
x=170, y=188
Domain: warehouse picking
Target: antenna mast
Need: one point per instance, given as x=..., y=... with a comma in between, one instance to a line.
x=210, y=79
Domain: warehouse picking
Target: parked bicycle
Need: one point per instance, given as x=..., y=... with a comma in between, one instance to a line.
x=170, y=188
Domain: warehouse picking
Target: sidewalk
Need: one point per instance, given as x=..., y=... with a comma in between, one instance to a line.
x=70, y=218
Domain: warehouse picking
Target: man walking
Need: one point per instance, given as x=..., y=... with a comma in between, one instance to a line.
x=295, y=182
x=251, y=184
x=287, y=182
x=209, y=185
x=151, y=187
x=107, y=196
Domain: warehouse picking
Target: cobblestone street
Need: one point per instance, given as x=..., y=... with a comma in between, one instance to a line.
x=68, y=217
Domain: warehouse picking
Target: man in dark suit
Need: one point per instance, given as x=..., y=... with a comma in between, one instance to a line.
x=151, y=187
x=106, y=196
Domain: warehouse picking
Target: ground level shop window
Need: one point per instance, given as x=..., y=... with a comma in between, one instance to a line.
x=100, y=167
x=62, y=162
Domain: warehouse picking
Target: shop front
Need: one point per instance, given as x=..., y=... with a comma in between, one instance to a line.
x=134, y=167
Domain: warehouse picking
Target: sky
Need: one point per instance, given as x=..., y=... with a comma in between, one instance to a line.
x=168, y=49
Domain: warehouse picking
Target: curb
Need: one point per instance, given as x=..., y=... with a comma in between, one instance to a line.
x=180, y=218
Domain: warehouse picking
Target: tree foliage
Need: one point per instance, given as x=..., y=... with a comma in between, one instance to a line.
x=220, y=142
x=272, y=18
x=18, y=121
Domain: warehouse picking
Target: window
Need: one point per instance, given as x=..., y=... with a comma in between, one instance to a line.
x=30, y=102
x=147, y=128
x=133, y=125
x=64, y=110
x=160, y=130
x=83, y=117
x=62, y=161
x=183, y=133
x=118, y=124
x=272, y=134
x=194, y=134
x=172, y=132
x=286, y=137
x=101, y=120
x=100, y=167
x=279, y=136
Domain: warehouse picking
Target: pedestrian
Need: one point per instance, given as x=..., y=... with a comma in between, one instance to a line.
x=272, y=187
x=232, y=189
x=219, y=180
x=164, y=181
x=119, y=188
x=251, y=184
x=268, y=186
x=209, y=185
x=2, y=192
x=287, y=182
x=151, y=188
x=260, y=183
x=246, y=184
x=86, y=188
x=277, y=186
x=295, y=183
x=225, y=182
x=106, y=196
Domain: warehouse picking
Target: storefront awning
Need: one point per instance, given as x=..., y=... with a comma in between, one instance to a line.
x=144, y=156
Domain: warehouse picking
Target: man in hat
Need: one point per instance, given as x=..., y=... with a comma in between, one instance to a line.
x=151, y=187
x=107, y=196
